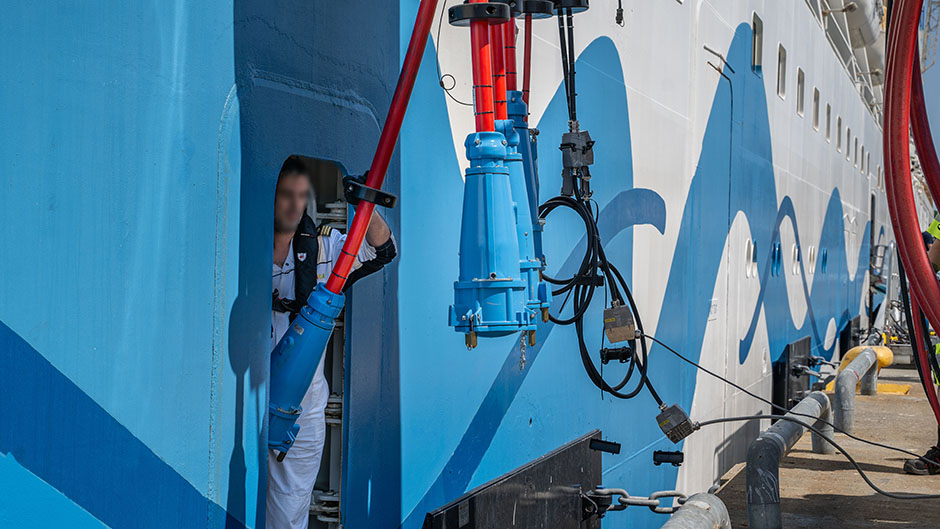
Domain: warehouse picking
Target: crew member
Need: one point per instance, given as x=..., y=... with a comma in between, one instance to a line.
x=919, y=466
x=303, y=257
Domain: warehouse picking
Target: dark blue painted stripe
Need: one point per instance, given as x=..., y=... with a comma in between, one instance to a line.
x=64, y=437
x=831, y=236
x=704, y=226
x=627, y=209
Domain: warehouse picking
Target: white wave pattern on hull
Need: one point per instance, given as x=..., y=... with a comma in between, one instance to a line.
x=671, y=57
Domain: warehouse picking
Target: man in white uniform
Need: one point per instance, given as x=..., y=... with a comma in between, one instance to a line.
x=303, y=256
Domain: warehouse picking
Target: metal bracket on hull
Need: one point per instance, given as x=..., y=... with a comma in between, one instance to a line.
x=546, y=492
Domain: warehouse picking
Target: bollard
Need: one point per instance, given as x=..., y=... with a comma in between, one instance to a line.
x=864, y=368
x=700, y=511
x=765, y=452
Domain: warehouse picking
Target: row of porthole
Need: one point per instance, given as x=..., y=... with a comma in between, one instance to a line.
x=863, y=163
x=776, y=259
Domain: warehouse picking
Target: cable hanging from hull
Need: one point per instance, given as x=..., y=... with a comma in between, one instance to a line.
x=622, y=319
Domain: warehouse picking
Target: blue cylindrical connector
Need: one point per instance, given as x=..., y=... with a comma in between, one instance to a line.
x=489, y=295
x=528, y=264
x=539, y=293
x=294, y=363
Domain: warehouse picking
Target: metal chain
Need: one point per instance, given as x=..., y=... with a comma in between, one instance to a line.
x=522, y=359
x=624, y=499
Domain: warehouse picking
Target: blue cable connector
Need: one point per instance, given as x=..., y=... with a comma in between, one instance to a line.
x=294, y=362
x=489, y=295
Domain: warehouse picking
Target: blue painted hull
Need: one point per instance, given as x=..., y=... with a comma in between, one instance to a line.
x=139, y=151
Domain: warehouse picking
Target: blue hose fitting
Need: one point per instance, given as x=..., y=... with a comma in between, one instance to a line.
x=518, y=112
x=489, y=295
x=529, y=265
x=294, y=362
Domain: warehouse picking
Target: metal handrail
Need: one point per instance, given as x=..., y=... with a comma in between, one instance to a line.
x=842, y=47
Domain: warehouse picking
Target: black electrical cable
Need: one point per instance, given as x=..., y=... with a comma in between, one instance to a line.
x=587, y=271
x=931, y=354
x=437, y=62
x=639, y=325
x=781, y=408
x=566, y=44
x=858, y=468
x=915, y=340
x=595, y=270
x=573, y=95
x=564, y=62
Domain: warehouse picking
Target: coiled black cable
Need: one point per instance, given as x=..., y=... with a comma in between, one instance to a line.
x=596, y=270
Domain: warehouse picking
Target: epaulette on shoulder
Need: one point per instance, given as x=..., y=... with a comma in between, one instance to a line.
x=324, y=230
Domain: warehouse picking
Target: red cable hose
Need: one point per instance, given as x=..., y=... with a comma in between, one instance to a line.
x=925, y=291
x=387, y=141
x=902, y=44
x=920, y=128
x=527, y=61
x=509, y=47
x=924, y=366
x=481, y=61
x=499, y=70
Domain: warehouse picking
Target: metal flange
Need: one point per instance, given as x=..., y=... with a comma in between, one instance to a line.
x=515, y=6
x=576, y=6
x=492, y=12
x=355, y=189
x=538, y=8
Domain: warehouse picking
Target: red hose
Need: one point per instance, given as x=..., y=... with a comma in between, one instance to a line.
x=499, y=70
x=923, y=140
x=920, y=128
x=902, y=44
x=509, y=48
x=481, y=61
x=527, y=61
x=924, y=365
x=387, y=141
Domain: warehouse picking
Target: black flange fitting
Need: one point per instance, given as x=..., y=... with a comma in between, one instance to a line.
x=538, y=8
x=355, y=189
x=576, y=6
x=492, y=12
x=515, y=6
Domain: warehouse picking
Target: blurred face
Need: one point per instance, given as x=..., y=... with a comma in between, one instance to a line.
x=934, y=254
x=290, y=201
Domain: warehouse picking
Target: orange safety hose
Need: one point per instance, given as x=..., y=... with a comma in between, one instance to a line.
x=920, y=129
x=924, y=287
x=481, y=62
x=499, y=70
x=527, y=61
x=509, y=48
x=387, y=141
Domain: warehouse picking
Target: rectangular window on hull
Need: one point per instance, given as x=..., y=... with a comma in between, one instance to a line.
x=848, y=144
x=861, y=168
x=781, y=71
x=757, y=43
x=800, y=79
x=856, y=152
x=839, y=133
x=815, y=108
x=828, y=122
